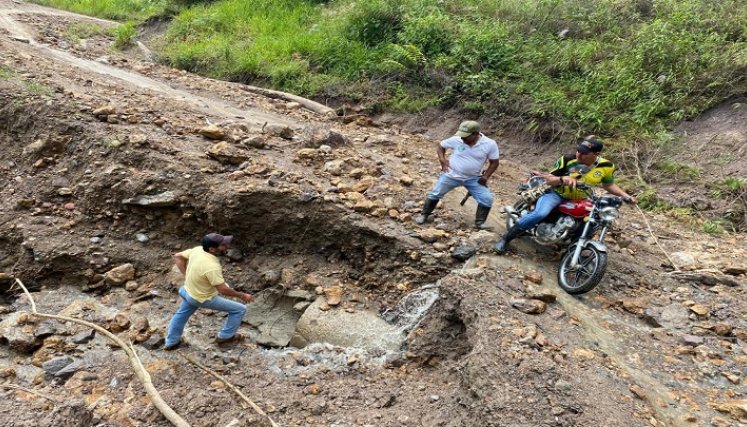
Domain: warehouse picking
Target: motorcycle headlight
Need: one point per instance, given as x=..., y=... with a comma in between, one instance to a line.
x=609, y=214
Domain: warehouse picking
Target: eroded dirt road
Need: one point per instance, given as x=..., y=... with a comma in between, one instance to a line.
x=111, y=160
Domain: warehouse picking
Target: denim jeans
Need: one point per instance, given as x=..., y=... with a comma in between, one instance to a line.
x=479, y=192
x=189, y=305
x=545, y=204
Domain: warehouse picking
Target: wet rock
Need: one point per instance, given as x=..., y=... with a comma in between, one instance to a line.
x=272, y=312
x=228, y=154
x=362, y=328
x=282, y=131
x=316, y=136
x=84, y=336
x=271, y=277
x=212, y=132
x=165, y=199
x=119, y=275
x=529, y=306
x=52, y=366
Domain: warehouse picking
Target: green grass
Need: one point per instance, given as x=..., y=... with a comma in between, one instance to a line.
x=6, y=73
x=619, y=67
x=124, y=35
x=83, y=30
x=121, y=10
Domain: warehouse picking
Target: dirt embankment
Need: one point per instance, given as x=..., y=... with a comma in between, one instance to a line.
x=112, y=164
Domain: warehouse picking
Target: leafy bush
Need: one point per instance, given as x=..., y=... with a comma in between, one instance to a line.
x=124, y=35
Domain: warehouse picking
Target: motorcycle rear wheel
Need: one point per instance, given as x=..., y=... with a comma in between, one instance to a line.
x=592, y=263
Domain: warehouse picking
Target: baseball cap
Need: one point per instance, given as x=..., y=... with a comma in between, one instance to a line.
x=214, y=239
x=590, y=144
x=467, y=128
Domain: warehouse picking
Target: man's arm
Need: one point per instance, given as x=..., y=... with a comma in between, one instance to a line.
x=442, y=158
x=225, y=290
x=617, y=191
x=493, y=165
x=181, y=262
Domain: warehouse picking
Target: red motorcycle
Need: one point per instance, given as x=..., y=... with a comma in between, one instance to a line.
x=579, y=226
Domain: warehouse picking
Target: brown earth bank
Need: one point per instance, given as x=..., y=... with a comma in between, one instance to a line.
x=113, y=163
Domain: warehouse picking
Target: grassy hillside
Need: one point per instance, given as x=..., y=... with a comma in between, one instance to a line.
x=609, y=66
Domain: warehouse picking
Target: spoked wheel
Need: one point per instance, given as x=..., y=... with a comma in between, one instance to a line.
x=592, y=264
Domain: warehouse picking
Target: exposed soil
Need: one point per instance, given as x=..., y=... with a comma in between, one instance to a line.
x=106, y=163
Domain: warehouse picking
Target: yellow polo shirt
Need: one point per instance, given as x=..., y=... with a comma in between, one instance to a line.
x=204, y=273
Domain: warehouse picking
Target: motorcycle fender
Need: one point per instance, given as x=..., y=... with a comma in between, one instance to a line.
x=601, y=247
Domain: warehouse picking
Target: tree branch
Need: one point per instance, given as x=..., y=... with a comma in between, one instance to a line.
x=137, y=365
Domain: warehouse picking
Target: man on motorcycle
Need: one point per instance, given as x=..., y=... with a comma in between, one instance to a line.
x=470, y=150
x=586, y=167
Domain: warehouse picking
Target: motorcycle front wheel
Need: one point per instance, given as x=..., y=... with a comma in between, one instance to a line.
x=592, y=264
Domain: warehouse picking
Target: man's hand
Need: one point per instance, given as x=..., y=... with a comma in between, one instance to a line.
x=568, y=181
x=631, y=199
x=444, y=165
x=247, y=298
x=483, y=181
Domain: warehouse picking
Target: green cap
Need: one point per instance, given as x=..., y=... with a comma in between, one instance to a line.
x=467, y=128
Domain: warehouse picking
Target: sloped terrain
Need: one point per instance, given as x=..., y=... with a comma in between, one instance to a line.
x=113, y=163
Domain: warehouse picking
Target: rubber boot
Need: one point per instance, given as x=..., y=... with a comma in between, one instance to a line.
x=481, y=216
x=502, y=245
x=428, y=207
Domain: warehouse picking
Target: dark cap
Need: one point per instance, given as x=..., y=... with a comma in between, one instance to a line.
x=213, y=240
x=590, y=144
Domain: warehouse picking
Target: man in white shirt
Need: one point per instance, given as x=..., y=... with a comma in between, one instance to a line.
x=469, y=151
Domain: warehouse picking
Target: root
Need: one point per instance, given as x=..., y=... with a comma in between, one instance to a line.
x=306, y=103
x=656, y=241
x=137, y=365
x=233, y=388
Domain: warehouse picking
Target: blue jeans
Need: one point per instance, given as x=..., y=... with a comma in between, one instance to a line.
x=189, y=305
x=545, y=204
x=479, y=192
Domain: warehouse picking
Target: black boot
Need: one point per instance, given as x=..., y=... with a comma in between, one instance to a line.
x=428, y=207
x=502, y=245
x=481, y=216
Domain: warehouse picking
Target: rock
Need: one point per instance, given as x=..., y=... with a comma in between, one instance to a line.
x=273, y=313
x=120, y=322
x=334, y=167
x=131, y=286
x=282, y=131
x=65, y=191
x=541, y=294
x=316, y=136
x=364, y=184
x=228, y=154
x=381, y=140
x=17, y=336
x=140, y=324
x=700, y=310
x=271, y=277
x=635, y=305
x=256, y=141
x=362, y=328
x=165, y=199
x=45, y=329
x=674, y=316
x=70, y=369
x=736, y=408
x=722, y=329
x=120, y=275
x=105, y=111
x=307, y=153
x=464, y=251
x=155, y=341
x=533, y=277
x=234, y=254
x=406, y=180
x=333, y=295
x=313, y=389
x=650, y=316
x=142, y=238
x=212, y=132
x=52, y=366
x=692, y=340
x=529, y=306
x=430, y=235
x=638, y=391
x=84, y=336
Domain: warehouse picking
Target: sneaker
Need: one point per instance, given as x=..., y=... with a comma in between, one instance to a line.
x=233, y=339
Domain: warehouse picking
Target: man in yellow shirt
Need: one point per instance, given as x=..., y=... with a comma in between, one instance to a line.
x=586, y=167
x=203, y=282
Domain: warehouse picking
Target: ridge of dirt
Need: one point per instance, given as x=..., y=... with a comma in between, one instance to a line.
x=106, y=166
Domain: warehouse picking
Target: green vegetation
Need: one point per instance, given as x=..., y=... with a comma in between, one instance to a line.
x=83, y=30
x=6, y=73
x=124, y=35
x=626, y=67
x=113, y=9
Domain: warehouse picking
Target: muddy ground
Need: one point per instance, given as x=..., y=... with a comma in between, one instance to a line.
x=113, y=163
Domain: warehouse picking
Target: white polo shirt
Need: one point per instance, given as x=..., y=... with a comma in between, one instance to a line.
x=466, y=162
